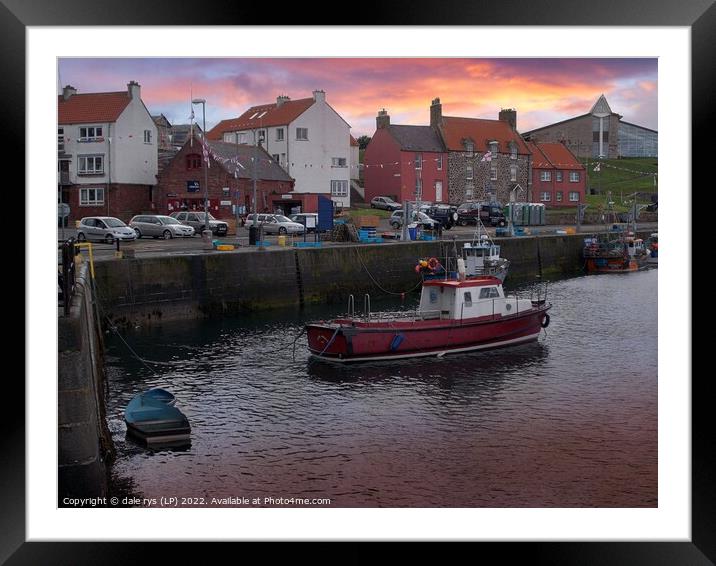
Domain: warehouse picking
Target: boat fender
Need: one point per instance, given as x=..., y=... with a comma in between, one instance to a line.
x=397, y=340
x=545, y=322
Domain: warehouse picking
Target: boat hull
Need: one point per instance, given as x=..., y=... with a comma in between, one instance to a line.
x=355, y=341
x=611, y=265
x=154, y=420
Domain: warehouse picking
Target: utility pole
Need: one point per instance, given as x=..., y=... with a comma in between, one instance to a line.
x=207, y=226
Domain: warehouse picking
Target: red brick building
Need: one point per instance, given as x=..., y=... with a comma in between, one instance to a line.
x=405, y=162
x=230, y=174
x=558, y=177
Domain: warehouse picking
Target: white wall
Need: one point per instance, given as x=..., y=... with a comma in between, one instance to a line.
x=75, y=149
x=355, y=162
x=311, y=160
x=134, y=161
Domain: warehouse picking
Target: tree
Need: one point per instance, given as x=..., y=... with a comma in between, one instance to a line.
x=363, y=141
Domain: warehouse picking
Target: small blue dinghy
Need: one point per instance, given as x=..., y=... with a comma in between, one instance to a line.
x=151, y=417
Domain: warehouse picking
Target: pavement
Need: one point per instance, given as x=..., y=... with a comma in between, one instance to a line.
x=149, y=247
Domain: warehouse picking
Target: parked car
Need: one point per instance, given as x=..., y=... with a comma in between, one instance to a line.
x=445, y=214
x=275, y=224
x=491, y=214
x=386, y=203
x=159, y=226
x=301, y=218
x=105, y=228
x=396, y=220
x=197, y=221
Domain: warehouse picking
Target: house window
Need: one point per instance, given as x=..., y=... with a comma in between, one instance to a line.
x=230, y=138
x=468, y=192
x=90, y=133
x=513, y=151
x=470, y=148
x=574, y=196
x=193, y=161
x=605, y=138
x=468, y=172
x=418, y=160
x=339, y=188
x=493, y=173
x=558, y=176
x=91, y=197
x=513, y=173
x=493, y=148
x=61, y=139
x=338, y=162
x=226, y=192
x=574, y=176
x=147, y=136
x=440, y=162
x=468, y=299
x=90, y=165
x=545, y=196
x=559, y=196
x=545, y=176
x=301, y=133
x=279, y=134
x=275, y=157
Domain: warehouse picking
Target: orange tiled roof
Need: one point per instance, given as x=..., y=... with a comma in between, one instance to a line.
x=92, y=107
x=261, y=117
x=455, y=130
x=553, y=155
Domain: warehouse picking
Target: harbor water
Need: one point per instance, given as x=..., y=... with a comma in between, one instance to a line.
x=568, y=421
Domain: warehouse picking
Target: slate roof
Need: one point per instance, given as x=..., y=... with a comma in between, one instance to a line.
x=416, y=138
x=268, y=169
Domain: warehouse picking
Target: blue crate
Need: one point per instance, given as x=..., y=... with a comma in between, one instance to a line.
x=264, y=244
x=307, y=244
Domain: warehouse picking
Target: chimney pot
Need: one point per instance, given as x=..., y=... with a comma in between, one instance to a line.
x=68, y=91
x=133, y=89
x=382, y=120
x=436, y=113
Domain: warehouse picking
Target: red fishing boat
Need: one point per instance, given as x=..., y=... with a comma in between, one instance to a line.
x=454, y=315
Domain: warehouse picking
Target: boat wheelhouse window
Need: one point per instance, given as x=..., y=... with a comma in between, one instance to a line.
x=468, y=299
x=489, y=293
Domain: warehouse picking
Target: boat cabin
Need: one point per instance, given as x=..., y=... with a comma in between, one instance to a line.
x=635, y=247
x=478, y=256
x=468, y=298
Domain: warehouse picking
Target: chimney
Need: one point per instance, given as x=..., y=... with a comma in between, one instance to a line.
x=68, y=91
x=281, y=99
x=509, y=115
x=133, y=89
x=319, y=96
x=436, y=113
x=383, y=120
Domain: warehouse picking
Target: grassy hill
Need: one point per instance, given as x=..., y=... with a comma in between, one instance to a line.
x=622, y=177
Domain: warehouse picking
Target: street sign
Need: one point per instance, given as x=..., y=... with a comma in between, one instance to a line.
x=63, y=210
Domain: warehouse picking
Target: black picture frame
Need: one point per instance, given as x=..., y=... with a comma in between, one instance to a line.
x=699, y=15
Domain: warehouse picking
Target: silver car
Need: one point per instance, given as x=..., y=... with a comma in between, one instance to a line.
x=104, y=228
x=197, y=220
x=159, y=226
x=275, y=224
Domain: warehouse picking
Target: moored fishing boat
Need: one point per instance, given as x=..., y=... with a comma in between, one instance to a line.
x=612, y=253
x=454, y=315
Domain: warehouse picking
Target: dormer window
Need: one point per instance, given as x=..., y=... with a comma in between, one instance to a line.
x=469, y=148
x=493, y=148
x=513, y=151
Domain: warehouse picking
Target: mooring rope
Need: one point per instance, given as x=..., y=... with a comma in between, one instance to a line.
x=378, y=284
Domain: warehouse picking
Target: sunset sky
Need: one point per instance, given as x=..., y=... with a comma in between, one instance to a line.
x=542, y=91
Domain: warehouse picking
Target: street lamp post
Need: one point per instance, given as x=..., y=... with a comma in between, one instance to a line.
x=207, y=228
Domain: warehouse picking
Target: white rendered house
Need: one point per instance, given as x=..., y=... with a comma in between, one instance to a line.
x=307, y=137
